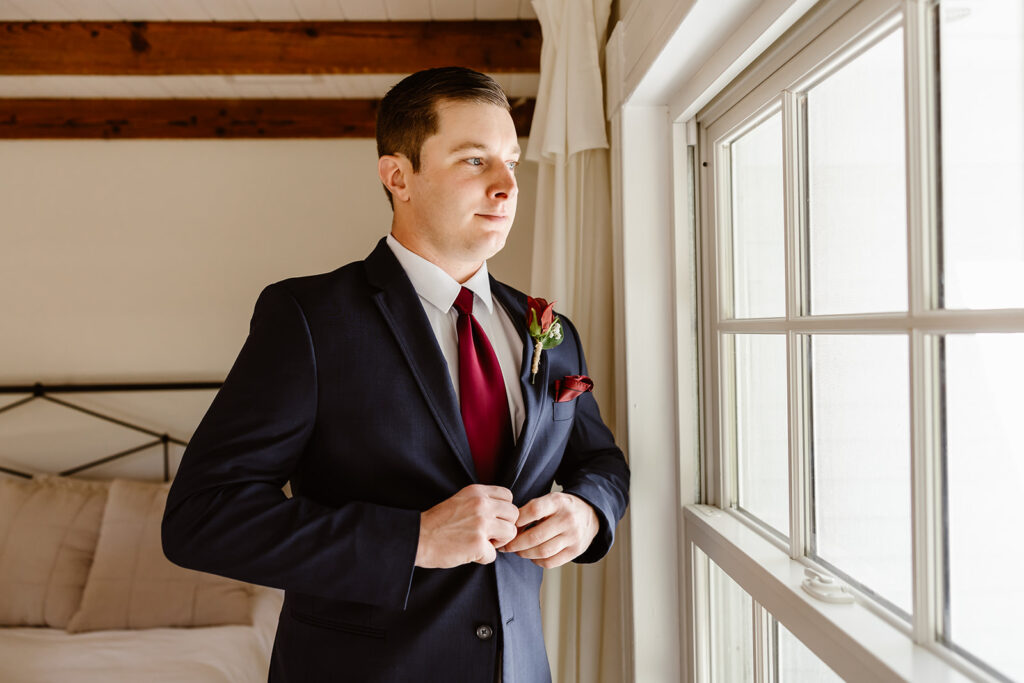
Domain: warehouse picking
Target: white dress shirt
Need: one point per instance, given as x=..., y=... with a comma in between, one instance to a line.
x=437, y=291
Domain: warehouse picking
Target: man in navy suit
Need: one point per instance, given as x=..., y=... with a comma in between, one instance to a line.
x=408, y=551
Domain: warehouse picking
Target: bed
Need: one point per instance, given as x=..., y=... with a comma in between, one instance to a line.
x=85, y=592
x=159, y=655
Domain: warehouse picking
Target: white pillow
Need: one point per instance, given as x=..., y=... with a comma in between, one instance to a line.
x=49, y=527
x=132, y=585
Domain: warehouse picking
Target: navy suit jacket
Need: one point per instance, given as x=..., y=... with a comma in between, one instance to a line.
x=342, y=389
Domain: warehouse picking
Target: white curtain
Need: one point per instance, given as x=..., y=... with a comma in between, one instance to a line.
x=572, y=264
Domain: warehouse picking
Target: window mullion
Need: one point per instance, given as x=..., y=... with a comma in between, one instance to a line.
x=795, y=188
x=699, y=645
x=762, y=644
x=725, y=489
x=922, y=267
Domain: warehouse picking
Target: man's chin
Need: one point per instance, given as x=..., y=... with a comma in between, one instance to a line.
x=487, y=247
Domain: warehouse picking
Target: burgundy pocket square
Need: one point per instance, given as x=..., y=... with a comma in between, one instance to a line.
x=571, y=386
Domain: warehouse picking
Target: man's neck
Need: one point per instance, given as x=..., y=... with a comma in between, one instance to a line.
x=460, y=271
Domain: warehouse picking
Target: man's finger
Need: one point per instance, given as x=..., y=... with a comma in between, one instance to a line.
x=536, y=509
x=487, y=555
x=534, y=536
x=506, y=511
x=547, y=549
x=496, y=492
x=558, y=560
x=500, y=533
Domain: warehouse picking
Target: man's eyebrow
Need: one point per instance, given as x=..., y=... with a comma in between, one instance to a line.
x=466, y=146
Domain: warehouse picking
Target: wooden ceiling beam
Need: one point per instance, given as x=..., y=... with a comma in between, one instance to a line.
x=264, y=47
x=198, y=119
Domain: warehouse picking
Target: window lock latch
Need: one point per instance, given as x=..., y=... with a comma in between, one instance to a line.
x=825, y=588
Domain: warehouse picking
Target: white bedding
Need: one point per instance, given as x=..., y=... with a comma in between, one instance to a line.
x=212, y=654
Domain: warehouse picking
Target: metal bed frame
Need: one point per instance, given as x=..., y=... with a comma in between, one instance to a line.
x=39, y=391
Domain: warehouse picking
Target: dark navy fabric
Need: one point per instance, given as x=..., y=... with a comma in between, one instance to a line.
x=341, y=389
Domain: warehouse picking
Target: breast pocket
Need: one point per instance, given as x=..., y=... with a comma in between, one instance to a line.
x=564, y=410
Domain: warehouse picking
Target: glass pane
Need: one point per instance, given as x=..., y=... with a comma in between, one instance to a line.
x=982, y=89
x=857, y=185
x=985, y=485
x=797, y=664
x=861, y=461
x=732, y=628
x=761, y=441
x=759, y=280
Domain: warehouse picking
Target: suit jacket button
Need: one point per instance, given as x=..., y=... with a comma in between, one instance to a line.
x=484, y=632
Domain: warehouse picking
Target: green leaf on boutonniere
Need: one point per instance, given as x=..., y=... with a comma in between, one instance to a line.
x=545, y=329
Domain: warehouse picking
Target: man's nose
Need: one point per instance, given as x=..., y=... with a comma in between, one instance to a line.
x=505, y=185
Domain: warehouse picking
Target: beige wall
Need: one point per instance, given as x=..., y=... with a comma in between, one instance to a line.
x=134, y=260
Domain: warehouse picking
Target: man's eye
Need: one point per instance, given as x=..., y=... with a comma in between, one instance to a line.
x=475, y=161
x=513, y=165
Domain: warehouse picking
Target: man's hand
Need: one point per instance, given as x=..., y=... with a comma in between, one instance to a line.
x=563, y=527
x=466, y=527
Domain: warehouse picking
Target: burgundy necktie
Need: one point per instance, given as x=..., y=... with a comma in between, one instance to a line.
x=481, y=393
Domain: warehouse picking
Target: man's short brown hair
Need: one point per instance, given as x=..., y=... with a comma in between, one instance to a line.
x=408, y=113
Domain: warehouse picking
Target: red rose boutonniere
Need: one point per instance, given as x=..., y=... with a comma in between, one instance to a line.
x=545, y=329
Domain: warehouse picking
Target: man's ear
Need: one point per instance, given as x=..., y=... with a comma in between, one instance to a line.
x=393, y=170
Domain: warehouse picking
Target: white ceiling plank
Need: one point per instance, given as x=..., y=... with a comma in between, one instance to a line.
x=337, y=87
x=273, y=10
x=86, y=10
x=204, y=88
x=362, y=88
x=10, y=10
x=408, y=10
x=441, y=10
x=244, y=89
x=229, y=10
x=183, y=10
x=164, y=85
x=179, y=87
x=21, y=86
x=354, y=86
x=119, y=87
x=317, y=90
x=45, y=10
x=384, y=82
x=518, y=85
x=80, y=86
x=119, y=10
x=281, y=89
x=363, y=10
x=497, y=9
x=319, y=10
x=144, y=87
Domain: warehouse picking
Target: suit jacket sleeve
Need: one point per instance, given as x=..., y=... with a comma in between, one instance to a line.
x=593, y=467
x=226, y=512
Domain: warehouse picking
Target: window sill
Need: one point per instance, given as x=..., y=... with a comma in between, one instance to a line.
x=853, y=640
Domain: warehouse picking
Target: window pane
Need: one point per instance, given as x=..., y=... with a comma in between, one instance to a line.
x=982, y=89
x=861, y=461
x=757, y=222
x=732, y=628
x=797, y=664
x=985, y=485
x=761, y=441
x=857, y=195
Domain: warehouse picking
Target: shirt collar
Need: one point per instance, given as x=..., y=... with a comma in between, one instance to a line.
x=436, y=286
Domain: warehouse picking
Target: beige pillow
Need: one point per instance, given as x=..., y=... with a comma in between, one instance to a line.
x=48, y=531
x=133, y=586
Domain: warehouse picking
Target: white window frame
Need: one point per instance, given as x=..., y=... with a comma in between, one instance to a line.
x=861, y=640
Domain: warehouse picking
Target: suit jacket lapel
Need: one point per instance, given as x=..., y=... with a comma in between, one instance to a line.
x=401, y=308
x=533, y=393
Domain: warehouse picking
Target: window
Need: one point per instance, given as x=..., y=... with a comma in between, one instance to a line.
x=862, y=230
